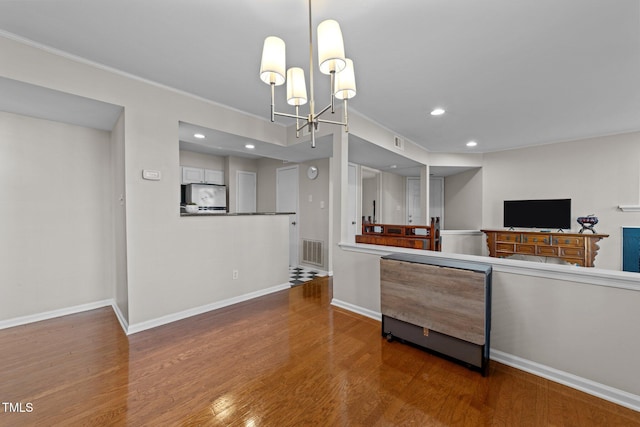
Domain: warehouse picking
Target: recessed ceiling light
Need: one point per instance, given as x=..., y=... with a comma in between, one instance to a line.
x=249, y=146
x=198, y=135
x=471, y=144
x=437, y=112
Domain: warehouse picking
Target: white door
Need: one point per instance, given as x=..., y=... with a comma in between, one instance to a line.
x=436, y=198
x=414, y=212
x=246, y=192
x=287, y=201
x=353, y=207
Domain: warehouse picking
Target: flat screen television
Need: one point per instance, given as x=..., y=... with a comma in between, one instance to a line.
x=547, y=213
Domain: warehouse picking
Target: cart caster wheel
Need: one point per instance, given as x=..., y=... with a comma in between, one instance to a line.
x=389, y=338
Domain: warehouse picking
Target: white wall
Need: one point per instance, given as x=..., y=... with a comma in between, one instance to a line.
x=171, y=260
x=463, y=200
x=597, y=174
x=314, y=206
x=266, y=191
x=201, y=160
x=55, y=217
x=314, y=214
x=394, y=199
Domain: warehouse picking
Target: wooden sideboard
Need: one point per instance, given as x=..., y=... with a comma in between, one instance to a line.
x=440, y=304
x=574, y=248
x=405, y=236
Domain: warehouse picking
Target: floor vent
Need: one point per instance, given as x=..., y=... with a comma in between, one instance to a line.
x=312, y=251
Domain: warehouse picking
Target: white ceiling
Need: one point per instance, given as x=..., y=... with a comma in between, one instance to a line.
x=509, y=73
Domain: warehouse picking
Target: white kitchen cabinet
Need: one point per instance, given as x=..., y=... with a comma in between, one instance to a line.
x=213, y=177
x=191, y=175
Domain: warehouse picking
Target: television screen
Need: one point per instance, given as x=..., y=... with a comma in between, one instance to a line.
x=548, y=213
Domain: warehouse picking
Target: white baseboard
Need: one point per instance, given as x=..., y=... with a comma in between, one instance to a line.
x=23, y=320
x=357, y=309
x=593, y=388
x=153, y=323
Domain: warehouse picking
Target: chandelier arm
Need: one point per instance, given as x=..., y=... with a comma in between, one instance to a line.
x=302, y=126
x=324, y=110
x=333, y=122
x=292, y=116
x=346, y=117
x=273, y=101
x=333, y=96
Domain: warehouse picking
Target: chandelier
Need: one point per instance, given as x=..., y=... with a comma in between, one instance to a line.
x=331, y=61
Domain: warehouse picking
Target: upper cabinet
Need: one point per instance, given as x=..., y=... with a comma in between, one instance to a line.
x=191, y=175
x=213, y=177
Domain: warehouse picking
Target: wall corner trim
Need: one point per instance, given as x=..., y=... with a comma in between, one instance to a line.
x=121, y=319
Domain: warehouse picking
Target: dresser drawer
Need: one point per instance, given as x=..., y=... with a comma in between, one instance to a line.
x=542, y=239
x=569, y=241
x=505, y=247
x=507, y=237
x=547, y=250
x=526, y=249
x=571, y=252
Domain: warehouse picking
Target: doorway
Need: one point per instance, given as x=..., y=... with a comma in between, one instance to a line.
x=246, y=192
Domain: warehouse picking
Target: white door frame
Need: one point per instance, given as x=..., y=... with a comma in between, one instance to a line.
x=353, y=205
x=294, y=220
x=411, y=219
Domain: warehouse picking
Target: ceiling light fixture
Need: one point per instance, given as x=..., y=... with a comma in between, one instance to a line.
x=437, y=112
x=331, y=61
x=471, y=144
x=198, y=135
x=249, y=146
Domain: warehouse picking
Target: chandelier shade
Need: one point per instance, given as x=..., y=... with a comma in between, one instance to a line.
x=346, y=82
x=273, y=64
x=296, y=86
x=330, y=47
x=331, y=61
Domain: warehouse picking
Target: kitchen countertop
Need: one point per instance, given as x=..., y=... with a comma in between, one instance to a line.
x=236, y=214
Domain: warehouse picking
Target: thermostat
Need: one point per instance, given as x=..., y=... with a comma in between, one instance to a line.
x=151, y=175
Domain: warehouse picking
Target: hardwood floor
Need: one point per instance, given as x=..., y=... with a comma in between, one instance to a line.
x=285, y=359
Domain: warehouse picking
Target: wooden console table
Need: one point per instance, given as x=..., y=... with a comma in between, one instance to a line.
x=405, y=236
x=574, y=248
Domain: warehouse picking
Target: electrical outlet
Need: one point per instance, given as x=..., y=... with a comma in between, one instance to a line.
x=235, y=274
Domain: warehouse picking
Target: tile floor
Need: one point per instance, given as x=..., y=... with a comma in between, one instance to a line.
x=299, y=275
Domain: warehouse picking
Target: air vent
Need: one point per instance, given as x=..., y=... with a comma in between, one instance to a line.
x=312, y=251
x=398, y=143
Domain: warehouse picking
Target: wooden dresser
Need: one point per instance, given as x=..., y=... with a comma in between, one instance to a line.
x=406, y=236
x=574, y=248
